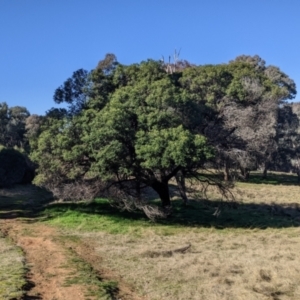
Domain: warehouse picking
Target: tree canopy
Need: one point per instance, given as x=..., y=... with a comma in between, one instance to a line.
x=142, y=124
x=12, y=125
x=140, y=134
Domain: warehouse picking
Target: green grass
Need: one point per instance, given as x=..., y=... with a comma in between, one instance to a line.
x=12, y=271
x=98, y=215
x=101, y=216
x=85, y=274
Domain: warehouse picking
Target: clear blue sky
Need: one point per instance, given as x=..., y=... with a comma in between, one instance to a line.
x=42, y=42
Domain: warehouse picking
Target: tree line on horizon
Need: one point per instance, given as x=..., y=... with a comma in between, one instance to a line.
x=140, y=125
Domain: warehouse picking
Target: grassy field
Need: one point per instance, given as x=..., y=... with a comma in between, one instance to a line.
x=12, y=270
x=248, y=251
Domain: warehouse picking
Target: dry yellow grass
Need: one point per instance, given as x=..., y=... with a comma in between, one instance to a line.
x=233, y=263
x=267, y=193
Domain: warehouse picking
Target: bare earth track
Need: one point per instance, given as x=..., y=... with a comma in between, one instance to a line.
x=47, y=259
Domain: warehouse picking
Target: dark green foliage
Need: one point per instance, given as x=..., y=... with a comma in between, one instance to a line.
x=12, y=125
x=73, y=91
x=144, y=125
x=288, y=158
x=57, y=113
x=134, y=128
x=14, y=168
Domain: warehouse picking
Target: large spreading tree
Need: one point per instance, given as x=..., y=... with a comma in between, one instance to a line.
x=140, y=132
x=141, y=125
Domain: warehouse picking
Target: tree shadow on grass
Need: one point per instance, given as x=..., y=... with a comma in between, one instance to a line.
x=274, y=179
x=199, y=213
x=23, y=201
x=223, y=215
x=256, y=177
x=34, y=205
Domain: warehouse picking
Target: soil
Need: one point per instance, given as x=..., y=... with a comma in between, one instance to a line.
x=46, y=257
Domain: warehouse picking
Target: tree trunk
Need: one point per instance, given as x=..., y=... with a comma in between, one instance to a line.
x=138, y=191
x=265, y=172
x=245, y=173
x=162, y=189
x=226, y=171
x=180, y=179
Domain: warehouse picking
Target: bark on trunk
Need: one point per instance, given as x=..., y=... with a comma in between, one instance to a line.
x=138, y=191
x=226, y=171
x=245, y=173
x=162, y=189
x=265, y=171
x=180, y=180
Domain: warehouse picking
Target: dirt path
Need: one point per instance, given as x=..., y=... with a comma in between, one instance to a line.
x=46, y=259
x=52, y=275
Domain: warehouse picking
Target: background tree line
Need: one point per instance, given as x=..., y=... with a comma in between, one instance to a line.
x=139, y=126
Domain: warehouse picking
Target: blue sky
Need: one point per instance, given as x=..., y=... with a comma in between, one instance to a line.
x=43, y=42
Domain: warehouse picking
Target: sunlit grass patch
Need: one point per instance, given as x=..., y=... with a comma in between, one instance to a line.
x=12, y=270
x=94, y=216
